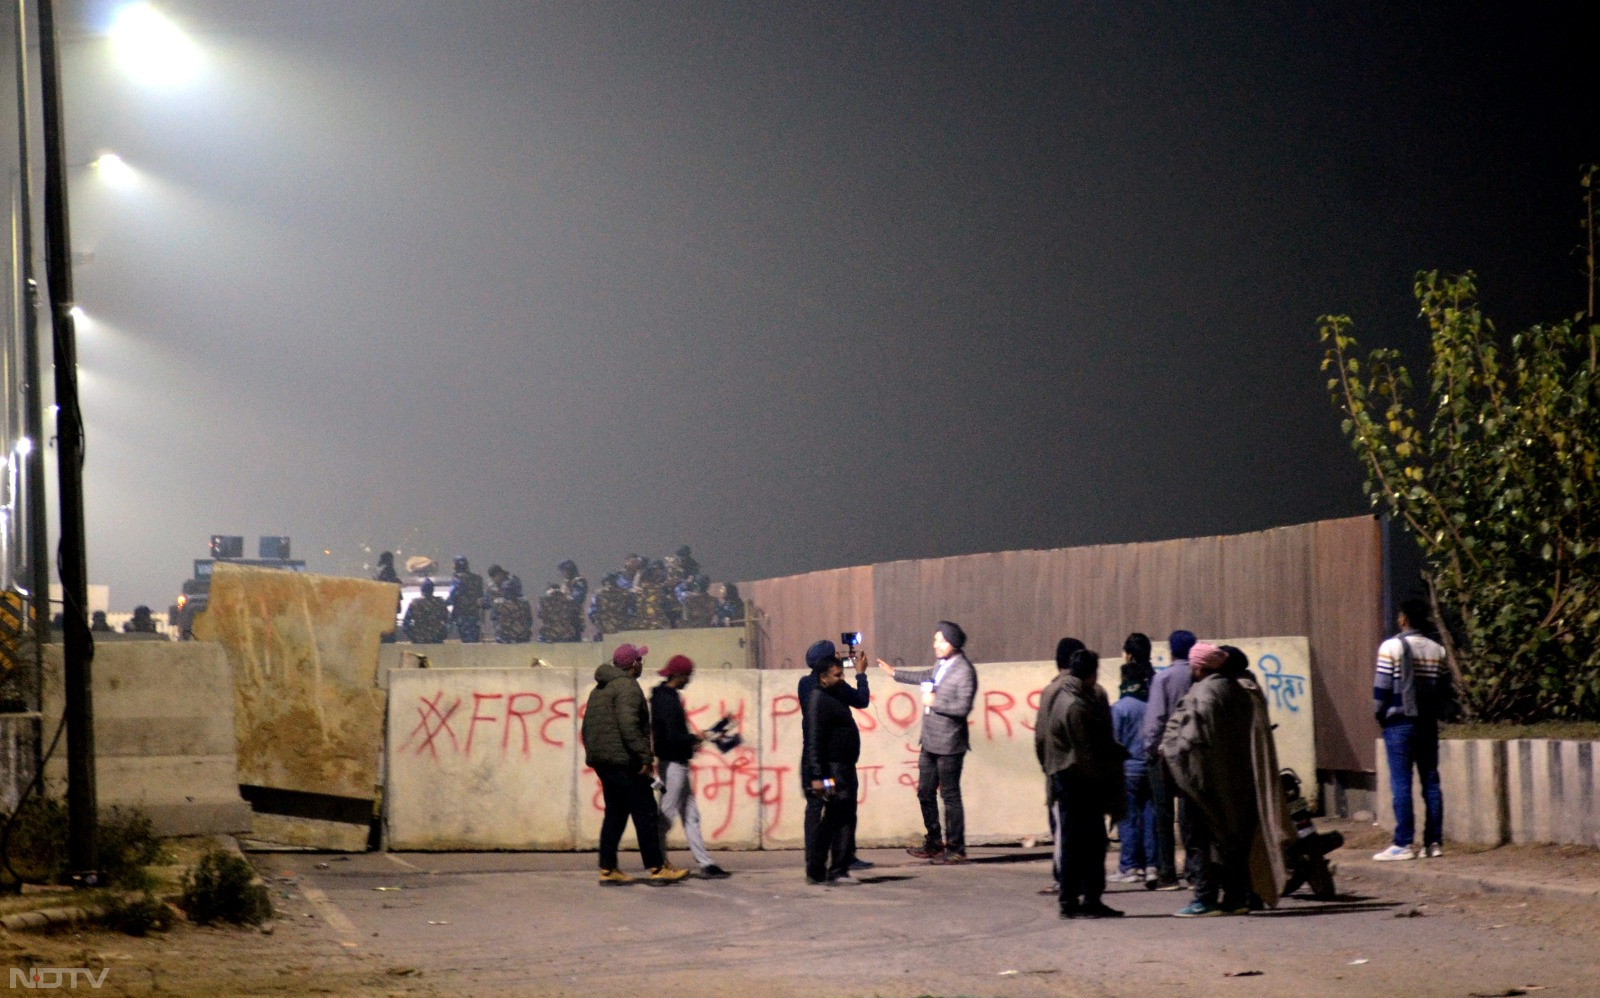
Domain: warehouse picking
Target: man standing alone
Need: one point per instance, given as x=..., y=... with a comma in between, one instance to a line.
x=616, y=741
x=1410, y=693
x=948, y=691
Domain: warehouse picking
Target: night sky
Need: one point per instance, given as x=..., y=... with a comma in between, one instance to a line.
x=802, y=285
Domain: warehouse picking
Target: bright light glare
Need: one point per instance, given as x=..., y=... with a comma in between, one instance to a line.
x=77, y=313
x=25, y=446
x=114, y=170
x=151, y=48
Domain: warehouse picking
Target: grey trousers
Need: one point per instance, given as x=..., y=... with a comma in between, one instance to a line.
x=677, y=801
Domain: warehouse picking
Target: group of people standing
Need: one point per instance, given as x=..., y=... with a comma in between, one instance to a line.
x=1188, y=747
x=648, y=594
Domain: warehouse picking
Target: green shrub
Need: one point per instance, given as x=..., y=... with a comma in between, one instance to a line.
x=138, y=916
x=37, y=849
x=221, y=887
x=125, y=840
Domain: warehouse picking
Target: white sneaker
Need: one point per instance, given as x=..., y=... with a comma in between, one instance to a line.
x=1434, y=851
x=1394, y=853
x=1131, y=877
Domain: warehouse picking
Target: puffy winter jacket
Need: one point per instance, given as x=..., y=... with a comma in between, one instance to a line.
x=616, y=722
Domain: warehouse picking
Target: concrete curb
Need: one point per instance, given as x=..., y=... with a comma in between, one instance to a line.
x=45, y=918
x=1425, y=873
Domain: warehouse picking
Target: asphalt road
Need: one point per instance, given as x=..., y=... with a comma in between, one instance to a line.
x=484, y=924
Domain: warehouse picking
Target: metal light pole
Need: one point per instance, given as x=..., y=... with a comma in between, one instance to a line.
x=37, y=549
x=77, y=642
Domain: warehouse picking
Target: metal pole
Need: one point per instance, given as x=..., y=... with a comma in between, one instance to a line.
x=37, y=540
x=78, y=644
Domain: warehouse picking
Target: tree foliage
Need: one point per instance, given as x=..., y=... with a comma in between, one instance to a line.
x=1496, y=478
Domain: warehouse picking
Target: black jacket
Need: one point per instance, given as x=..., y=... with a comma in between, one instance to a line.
x=832, y=742
x=669, y=726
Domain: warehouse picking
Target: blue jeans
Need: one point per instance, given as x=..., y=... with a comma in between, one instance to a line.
x=1414, y=743
x=1138, y=830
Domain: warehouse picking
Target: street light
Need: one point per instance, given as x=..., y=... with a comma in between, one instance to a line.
x=114, y=170
x=151, y=48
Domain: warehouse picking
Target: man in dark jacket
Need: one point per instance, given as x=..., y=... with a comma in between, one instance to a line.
x=859, y=697
x=1041, y=730
x=675, y=743
x=1169, y=686
x=832, y=747
x=616, y=742
x=948, y=691
x=1085, y=764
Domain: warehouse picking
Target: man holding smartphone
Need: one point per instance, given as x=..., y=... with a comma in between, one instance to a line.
x=948, y=692
x=828, y=766
x=859, y=697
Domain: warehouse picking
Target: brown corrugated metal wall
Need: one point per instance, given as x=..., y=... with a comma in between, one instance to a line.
x=1323, y=580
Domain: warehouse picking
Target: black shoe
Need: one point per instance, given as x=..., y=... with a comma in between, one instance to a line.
x=712, y=871
x=813, y=881
x=1071, y=909
x=861, y=864
x=923, y=852
x=1097, y=909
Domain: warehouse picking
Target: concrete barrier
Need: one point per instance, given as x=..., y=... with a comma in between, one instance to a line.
x=481, y=759
x=709, y=647
x=163, y=731
x=489, y=758
x=1472, y=776
x=1553, y=791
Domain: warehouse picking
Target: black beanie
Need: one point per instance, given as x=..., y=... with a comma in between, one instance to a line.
x=1084, y=664
x=953, y=634
x=1064, y=649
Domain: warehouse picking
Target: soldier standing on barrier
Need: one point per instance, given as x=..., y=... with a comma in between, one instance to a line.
x=513, y=618
x=466, y=602
x=613, y=606
x=427, y=619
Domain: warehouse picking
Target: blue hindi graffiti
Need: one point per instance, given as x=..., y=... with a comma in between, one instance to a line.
x=1286, y=687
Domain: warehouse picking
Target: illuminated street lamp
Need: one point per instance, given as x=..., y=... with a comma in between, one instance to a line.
x=114, y=170
x=151, y=49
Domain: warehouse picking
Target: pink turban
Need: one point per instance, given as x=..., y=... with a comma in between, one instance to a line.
x=1207, y=657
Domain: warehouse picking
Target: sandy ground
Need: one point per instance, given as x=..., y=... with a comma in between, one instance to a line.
x=470, y=924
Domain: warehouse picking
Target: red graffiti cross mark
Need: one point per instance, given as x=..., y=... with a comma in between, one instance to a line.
x=432, y=722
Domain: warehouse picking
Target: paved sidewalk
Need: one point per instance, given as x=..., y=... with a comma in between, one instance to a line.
x=1563, y=873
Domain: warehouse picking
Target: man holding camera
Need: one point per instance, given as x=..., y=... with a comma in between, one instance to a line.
x=859, y=697
x=828, y=768
x=676, y=741
x=948, y=692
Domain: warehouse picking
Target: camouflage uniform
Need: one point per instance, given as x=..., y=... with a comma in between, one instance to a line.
x=651, y=606
x=513, y=617
x=466, y=606
x=699, y=609
x=513, y=621
x=559, y=619
x=613, y=608
x=427, y=620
